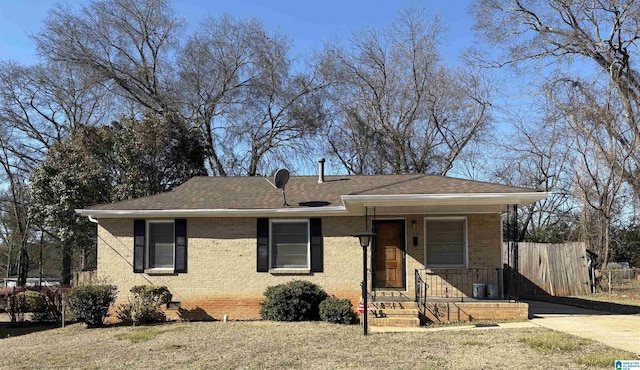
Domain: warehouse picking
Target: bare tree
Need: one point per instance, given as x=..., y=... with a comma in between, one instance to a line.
x=14, y=219
x=41, y=104
x=127, y=45
x=595, y=44
x=395, y=107
x=600, y=189
x=240, y=89
x=213, y=66
x=539, y=157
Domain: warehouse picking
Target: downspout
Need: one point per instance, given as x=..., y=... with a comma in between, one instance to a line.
x=95, y=221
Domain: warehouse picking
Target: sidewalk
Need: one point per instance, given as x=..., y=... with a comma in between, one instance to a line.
x=508, y=325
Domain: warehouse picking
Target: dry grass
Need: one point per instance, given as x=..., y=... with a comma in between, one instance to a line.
x=581, y=351
x=270, y=345
x=623, y=299
x=624, y=291
x=551, y=342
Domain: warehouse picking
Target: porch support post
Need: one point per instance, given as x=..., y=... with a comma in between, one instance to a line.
x=515, y=251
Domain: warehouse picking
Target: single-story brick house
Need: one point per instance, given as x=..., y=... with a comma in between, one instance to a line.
x=218, y=242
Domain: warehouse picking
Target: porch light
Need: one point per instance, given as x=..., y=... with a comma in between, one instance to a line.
x=365, y=238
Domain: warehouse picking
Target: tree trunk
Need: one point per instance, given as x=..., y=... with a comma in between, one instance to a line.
x=66, y=264
x=605, y=258
x=23, y=267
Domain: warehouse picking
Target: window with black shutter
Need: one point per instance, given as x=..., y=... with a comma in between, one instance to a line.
x=290, y=245
x=160, y=245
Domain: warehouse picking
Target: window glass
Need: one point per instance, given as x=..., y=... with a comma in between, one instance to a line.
x=161, y=241
x=446, y=243
x=289, y=245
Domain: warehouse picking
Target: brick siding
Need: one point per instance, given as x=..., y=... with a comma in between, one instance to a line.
x=222, y=277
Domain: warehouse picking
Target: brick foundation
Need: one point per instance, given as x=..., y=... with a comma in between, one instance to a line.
x=476, y=311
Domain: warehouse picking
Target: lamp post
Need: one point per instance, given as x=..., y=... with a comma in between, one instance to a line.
x=365, y=238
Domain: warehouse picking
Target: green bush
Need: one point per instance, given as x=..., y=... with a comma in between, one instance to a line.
x=144, y=305
x=337, y=310
x=296, y=300
x=29, y=301
x=90, y=303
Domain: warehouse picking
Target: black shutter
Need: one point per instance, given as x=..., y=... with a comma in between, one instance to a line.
x=262, y=252
x=181, y=245
x=139, y=229
x=317, y=247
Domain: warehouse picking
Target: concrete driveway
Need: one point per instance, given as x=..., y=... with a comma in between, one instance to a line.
x=618, y=331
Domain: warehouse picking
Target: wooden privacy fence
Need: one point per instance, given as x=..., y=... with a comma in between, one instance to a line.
x=551, y=269
x=84, y=277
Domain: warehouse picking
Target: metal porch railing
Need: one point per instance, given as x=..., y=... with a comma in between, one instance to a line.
x=459, y=284
x=421, y=292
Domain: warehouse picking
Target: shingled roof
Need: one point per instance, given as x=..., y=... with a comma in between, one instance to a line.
x=259, y=193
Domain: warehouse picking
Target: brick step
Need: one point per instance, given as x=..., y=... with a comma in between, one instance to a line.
x=391, y=296
x=412, y=312
x=393, y=305
x=395, y=322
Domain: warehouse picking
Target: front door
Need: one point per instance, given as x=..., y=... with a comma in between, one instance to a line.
x=389, y=271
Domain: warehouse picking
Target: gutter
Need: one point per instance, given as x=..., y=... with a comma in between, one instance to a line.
x=350, y=204
x=447, y=199
x=256, y=212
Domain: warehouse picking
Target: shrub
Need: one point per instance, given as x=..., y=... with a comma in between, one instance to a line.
x=144, y=305
x=296, y=300
x=29, y=301
x=90, y=303
x=337, y=310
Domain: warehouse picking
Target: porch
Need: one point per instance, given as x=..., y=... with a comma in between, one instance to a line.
x=459, y=284
x=447, y=295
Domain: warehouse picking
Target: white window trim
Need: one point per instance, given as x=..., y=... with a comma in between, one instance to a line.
x=289, y=269
x=466, y=242
x=158, y=270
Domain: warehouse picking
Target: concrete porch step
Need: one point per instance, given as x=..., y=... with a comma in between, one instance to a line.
x=390, y=296
x=411, y=312
x=394, y=305
x=394, y=314
x=394, y=321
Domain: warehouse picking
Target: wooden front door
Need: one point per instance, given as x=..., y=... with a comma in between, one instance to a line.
x=389, y=267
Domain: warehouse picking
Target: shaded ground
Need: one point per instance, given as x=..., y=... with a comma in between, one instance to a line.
x=265, y=344
x=600, y=302
x=620, y=331
x=6, y=329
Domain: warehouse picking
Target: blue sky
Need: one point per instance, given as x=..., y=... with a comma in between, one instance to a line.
x=308, y=23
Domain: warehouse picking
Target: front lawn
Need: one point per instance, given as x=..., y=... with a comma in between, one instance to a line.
x=310, y=345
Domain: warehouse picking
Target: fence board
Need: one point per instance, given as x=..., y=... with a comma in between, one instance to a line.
x=84, y=277
x=552, y=269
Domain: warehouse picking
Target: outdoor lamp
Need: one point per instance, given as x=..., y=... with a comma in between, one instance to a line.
x=365, y=238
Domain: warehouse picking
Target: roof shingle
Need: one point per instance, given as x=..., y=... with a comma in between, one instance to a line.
x=259, y=193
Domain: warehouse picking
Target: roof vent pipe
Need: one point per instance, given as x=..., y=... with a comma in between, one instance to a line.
x=320, y=170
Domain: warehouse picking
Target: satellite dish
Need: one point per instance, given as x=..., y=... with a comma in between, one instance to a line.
x=280, y=179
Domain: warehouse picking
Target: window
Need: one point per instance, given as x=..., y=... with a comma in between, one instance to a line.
x=289, y=244
x=160, y=246
x=446, y=242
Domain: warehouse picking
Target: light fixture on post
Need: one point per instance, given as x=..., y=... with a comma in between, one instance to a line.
x=365, y=238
